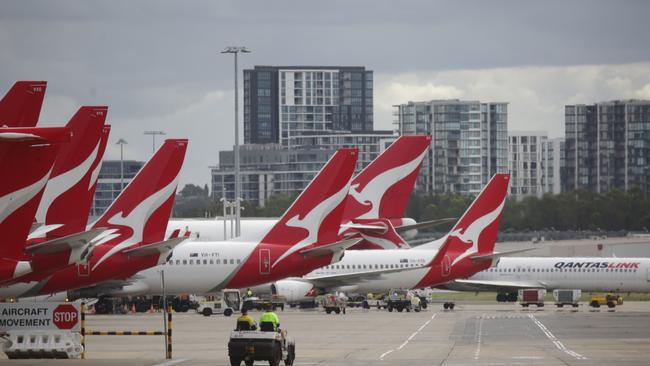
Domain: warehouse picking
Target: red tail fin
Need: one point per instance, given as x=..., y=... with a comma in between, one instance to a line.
x=26, y=159
x=476, y=231
x=141, y=212
x=315, y=216
x=21, y=106
x=383, y=188
x=70, y=190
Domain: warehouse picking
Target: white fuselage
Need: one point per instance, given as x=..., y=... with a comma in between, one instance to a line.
x=195, y=268
x=359, y=261
x=585, y=273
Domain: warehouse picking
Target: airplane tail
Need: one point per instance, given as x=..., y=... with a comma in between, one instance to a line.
x=69, y=193
x=26, y=159
x=141, y=212
x=21, y=106
x=476, y=231
x=315, y=216
x=384, y=187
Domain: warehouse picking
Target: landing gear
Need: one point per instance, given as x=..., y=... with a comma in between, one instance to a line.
x=448, y=306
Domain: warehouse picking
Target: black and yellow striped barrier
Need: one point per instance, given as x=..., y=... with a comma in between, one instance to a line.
x=125, y=333
x=168, y=334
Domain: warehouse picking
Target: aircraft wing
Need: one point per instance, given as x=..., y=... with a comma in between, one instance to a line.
x=65, y=243
x=155, y=248
x=330, y=248
x=491, y=285
x=352, y=278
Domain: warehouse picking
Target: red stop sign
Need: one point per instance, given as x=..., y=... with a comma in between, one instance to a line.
x=65, y=316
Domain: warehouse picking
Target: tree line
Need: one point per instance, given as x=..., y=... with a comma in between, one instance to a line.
x=576, y=210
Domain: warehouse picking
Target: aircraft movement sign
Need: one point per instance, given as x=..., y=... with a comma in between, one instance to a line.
x=39, y=316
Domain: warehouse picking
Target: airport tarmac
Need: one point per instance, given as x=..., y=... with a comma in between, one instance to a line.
x=474, y=333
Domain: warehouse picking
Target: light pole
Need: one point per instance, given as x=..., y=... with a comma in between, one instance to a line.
x=236, y=51
x=153, y=135
x=121, y=142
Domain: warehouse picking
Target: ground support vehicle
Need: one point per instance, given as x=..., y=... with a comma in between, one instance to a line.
x=250, y=346
x=260, y=303
x=356, y=301
x=375, y=301
x=334, y=304
x=610, y=300
x=111, y=305
x=399, y=299
x=228, y=303
x=532, y=296
x=567, y=297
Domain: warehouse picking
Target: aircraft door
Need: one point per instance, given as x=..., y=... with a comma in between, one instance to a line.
x=647, y=277
x=446, y=265
x=83, y=269
x=265, y=261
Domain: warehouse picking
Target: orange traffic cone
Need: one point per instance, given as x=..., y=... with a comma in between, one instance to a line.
x=151, y=309
x=132, y=309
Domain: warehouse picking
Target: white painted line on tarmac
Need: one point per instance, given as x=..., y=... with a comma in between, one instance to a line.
x=478, y=338
x=170, y=363
x=559, y=345
x=381, y=358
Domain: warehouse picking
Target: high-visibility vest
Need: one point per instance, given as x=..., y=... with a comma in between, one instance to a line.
x=270, y=317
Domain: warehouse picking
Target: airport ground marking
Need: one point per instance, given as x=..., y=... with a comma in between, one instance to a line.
x=559, y=345
x=381, y=358
x=478, y=337
x=170, y=363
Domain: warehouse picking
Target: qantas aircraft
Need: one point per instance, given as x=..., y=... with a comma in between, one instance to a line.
x=208, y=267
x=135, y=223
x=593, y=274
x=26, y=159
x=380, y=191
x=21, y=106
x=65, y=205
x=305, y=237
x=466, y=249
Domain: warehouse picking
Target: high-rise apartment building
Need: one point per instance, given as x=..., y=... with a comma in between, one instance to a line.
x=534, y=162
x=608, y=146
x=469, y=142
x=285, y=102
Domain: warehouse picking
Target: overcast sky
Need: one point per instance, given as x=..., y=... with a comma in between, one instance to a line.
x=157, y=65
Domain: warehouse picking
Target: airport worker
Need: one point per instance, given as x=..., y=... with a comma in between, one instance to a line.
x=249, y=293
x=245, y=318
x=270, y=317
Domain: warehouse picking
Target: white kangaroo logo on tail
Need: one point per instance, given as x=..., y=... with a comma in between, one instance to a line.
x=12, y=201
x=474, y=230
x=62, y=183
x=374, y=191
x=312, y=220
x=136, y=220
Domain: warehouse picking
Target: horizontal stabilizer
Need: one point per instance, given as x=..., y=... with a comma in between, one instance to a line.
x=494, y=255
x=424, y=224
x=363, y=227
x=155, y=248
x=65, y=243
x=330, y=248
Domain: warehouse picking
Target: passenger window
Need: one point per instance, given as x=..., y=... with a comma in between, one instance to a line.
x=238, y=261
x=218, y=261
x=178, y=262
x=205, y=261
x=191, y=261
x=184, y=261
x=211, y=261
